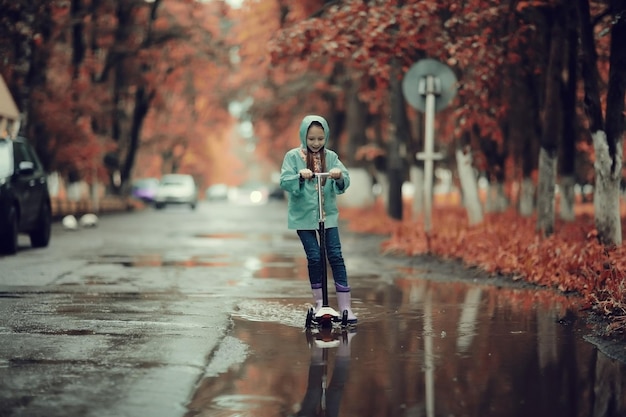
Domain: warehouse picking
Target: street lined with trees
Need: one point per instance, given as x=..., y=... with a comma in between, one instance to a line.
x=112, y=90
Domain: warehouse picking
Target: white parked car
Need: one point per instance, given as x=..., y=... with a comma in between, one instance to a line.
x=176, y=189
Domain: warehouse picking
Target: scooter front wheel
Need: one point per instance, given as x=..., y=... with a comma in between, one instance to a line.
x=344, y=318
x=326, y=322
x=309, y=318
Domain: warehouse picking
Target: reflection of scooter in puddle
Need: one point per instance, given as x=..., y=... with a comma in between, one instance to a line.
x=322, y=399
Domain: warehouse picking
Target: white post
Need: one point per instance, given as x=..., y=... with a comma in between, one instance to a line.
x=429, y=86
x=95, y=198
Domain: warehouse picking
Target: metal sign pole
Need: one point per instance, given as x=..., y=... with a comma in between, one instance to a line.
x=429, y=147
x=429, y=86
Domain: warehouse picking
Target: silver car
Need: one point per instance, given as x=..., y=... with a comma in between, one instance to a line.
x=176, y=189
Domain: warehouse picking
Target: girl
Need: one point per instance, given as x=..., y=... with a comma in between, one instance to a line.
x=296, y=178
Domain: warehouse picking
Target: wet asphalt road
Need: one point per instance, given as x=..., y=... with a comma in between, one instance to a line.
x=201, y=313
x=121, y=320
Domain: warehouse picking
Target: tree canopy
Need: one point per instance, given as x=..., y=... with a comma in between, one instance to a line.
x=118, y=89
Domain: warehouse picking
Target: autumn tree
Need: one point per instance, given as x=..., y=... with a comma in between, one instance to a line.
x=280, y=95
x=605, y=126
x=87, y=73
x=185, y=129
x=25, y=40
x=552, y=118
x=363, y=37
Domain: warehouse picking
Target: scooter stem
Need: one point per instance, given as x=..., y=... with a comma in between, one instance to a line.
x=320, y=205
x=322, y=233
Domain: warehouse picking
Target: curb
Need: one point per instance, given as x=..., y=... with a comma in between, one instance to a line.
x=110, y=204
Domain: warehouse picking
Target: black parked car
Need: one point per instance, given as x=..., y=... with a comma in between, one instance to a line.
x=24, y=197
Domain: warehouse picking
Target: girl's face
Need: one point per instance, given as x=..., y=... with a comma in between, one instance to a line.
x=315, y=138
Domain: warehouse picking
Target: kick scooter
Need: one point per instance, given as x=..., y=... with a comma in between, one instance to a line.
x=326, y=316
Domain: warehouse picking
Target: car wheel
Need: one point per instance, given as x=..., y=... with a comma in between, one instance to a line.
x=40, y=235
x=8, y=241
x=193, y=206
x=159, y=206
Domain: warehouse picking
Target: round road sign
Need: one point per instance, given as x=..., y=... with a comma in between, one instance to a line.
x=419, y=71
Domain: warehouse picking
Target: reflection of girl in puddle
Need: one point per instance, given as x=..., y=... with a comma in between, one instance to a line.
x=321, y=400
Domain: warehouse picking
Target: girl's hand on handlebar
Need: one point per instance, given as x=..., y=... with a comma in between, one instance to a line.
x=306, y=174
x=335, y=173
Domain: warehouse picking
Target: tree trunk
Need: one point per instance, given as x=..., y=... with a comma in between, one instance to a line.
x=78, y=39
x=525, y=127
x=606, y=203
x=568, y=145
x=33, y=60
x=356, y=112
x=608, y=220
x=395, y=162
x=469, y=186
x=497, y=200
x=545, y=192
x=527, y=197
x=552, y=125
x=567, y=197
x=142, y=105
x=607, y=143
x=116, y=61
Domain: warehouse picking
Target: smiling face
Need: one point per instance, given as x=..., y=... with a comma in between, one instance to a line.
x=315, y=138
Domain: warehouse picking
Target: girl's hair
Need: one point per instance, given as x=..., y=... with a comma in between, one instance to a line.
x=309, y=155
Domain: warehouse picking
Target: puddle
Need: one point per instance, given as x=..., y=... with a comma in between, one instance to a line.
x=157, y=260
x=273, y=266
x=264, y=266
x=221, y=236
x=9, y=295
x=288, y=314
x=420, y=349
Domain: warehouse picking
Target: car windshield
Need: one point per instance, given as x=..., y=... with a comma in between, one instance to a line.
x=6, y=161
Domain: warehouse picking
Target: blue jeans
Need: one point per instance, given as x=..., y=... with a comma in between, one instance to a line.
x=335, y=258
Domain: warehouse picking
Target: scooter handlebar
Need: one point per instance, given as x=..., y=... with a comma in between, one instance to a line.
x=322, y=174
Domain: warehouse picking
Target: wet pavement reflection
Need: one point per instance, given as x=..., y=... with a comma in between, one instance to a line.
x=421, y=349
x=204, y=316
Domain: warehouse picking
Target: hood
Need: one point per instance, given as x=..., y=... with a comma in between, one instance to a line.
x=304, y=126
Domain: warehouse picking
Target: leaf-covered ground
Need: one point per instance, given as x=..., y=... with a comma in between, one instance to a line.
x=571, y=260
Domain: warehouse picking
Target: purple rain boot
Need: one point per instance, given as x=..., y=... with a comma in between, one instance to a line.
x=344, y=301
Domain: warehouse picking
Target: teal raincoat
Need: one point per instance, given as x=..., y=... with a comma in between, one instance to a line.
x=303, y=213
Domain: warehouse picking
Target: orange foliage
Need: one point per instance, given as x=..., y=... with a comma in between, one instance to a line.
x=571, y=260
x=188, y=128
x=281, y=95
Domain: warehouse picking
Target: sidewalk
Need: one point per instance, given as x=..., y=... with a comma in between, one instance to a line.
x=109, y=204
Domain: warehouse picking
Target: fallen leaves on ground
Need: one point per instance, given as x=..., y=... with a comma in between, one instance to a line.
x=571, y=260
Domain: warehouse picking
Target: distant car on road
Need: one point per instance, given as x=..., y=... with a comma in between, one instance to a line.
x=176, y=189
x=217, y=192
x=24, y=197
x=249, y=193
x=145, y=189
